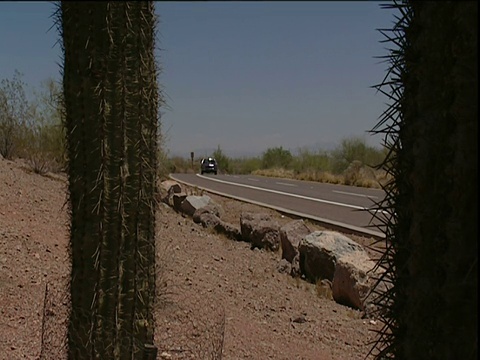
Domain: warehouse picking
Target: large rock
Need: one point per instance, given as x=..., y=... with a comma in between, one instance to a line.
x=228, y=230
x=320, y=251
x=208, y=217
x=176, y=200
x=260, y=230
x=352, y=281
x=194, y=202
x=167, y=189
x=215, y=208
x=290, y=236
x=210, y=208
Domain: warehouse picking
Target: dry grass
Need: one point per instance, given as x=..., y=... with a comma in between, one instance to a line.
x=42, y=163
x=323, y=289
x=319, y=176
x=361, y=177
x=275, y=172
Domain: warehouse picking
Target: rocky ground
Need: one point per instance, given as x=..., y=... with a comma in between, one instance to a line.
x=217, y=297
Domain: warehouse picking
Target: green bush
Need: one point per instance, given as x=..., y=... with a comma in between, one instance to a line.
x=355, y=149
x=179, y=164
x=44, y=147
x=245, y=165
x=277, y=157
x=33, y=129
x=308, y=161
x=14, y=112
x=223, y=161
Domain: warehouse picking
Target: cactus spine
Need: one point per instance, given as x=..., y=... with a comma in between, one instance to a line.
x=111, y=117
x=431, y=129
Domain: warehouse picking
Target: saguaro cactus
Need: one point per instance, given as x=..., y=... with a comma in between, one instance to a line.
x=111, y=118
x=431, y=129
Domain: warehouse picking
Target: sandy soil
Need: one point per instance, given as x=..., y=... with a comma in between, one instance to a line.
x=217, y=297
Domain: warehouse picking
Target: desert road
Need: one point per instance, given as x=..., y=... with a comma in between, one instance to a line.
x=340, y=207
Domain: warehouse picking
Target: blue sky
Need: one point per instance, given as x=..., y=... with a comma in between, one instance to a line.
x=245, y=76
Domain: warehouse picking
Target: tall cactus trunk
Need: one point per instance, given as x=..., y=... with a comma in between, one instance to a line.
x=430, y=309
x=111, y=103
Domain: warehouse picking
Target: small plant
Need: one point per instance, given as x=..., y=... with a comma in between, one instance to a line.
x=323, y=289
x=40, y=163
x=277, y=157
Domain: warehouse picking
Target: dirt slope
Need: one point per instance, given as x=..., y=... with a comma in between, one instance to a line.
x=214, y=293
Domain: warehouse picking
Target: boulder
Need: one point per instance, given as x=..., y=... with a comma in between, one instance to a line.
x=167, y=189
x=260, y=230
x=319, y=252
x=351, y=280
x=207, y=209
x=228, y=230
x=211, y=207
x=194, y=202
x=206, y=219
x=290, y=236
x=176, y=200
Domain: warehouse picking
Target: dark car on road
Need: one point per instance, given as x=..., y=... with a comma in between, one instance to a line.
x=209, y=165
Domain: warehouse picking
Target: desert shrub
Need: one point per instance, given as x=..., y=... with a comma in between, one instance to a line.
x=14, y=111
x=277, y=157
x=308, y=161
x=355, y=149
x=33, y=129
x=352, y=172
x=44, y=146
x=245, y=165
x=360, y=175
x=178, y=164
x=223, y=160
x=166, y=164
x=44, y=151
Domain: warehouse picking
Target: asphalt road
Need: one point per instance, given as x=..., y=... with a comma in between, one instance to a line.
x=340, y=207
